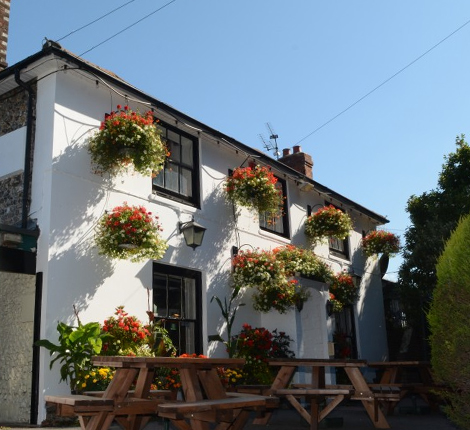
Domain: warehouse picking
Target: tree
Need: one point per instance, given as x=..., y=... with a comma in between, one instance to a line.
x=449, y=320
x=433, y=215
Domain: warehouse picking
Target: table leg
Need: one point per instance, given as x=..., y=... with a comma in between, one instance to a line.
x=362, y=389
x=117, y=390
x=284, y=375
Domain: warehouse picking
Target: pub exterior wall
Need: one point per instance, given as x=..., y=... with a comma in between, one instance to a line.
x=68, y=199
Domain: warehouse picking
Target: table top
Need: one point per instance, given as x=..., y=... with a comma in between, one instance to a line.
x=176, y=362
x=399, y=363
x=317, y=362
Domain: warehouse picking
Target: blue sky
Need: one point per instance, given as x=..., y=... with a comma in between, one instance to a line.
x=236, y=65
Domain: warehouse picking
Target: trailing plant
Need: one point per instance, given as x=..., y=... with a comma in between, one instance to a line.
x=278, y=296
x=254, y=188
x=128, y=138
x=255, y=268
x=271, y=272
x=228, y=314
x=296, y=260
x=130, y=232
x=380, y=242
x=328, y=221
x=343, y=292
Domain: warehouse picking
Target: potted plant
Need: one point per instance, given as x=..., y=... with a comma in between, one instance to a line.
x=128, y=138
x=380, y=242
x=254, y=188
x=130, y=232
x=328, y=221
x=74, y=350
x=343, y=292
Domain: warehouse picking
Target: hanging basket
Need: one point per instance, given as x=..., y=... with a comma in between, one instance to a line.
x=380, y=242
x=130, y=232
x=254, y=188
x=328, y=221
x=128, y=139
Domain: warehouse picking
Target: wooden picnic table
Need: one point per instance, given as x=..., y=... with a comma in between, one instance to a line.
x=204, y=397
x=397, y=374
x=315, y=392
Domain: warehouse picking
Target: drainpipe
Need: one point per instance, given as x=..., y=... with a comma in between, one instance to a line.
x=28, y=148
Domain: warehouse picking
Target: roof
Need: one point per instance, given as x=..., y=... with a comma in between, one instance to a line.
x=52, y=51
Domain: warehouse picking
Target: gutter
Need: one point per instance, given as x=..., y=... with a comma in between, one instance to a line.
x=28, y=149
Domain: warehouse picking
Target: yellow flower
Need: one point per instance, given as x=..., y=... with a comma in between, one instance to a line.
x=84, y=385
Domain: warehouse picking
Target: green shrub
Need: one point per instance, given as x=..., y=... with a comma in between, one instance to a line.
x=449, y=320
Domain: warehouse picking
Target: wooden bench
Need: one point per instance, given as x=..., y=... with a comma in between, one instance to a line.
x=77, y=404
x=153, y=394
x=84, y=405
x=213, y=410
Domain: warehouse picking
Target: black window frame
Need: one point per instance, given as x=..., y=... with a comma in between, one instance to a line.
x=181, y=272
x=285, y=214
x=194, y=199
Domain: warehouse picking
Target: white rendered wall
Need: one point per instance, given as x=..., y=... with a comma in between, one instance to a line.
x=68, y=200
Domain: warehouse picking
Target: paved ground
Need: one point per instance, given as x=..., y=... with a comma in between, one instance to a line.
x=348, y=417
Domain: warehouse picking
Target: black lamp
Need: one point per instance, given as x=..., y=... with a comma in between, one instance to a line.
x=193, y=233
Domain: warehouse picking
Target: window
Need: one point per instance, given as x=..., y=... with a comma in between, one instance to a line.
x=339, y=247
x=277, y=222
x=180, y=177
x=177, y=301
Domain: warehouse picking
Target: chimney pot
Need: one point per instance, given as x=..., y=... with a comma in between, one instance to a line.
x=285, y=152
x=297, y=149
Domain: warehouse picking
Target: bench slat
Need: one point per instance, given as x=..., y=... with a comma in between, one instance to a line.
x=213, y=404
x=312, y=391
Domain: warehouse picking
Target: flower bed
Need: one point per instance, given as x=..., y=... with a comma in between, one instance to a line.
x=130, y=232
x=254, y=188
x=128, y=138
x=328, y=221
x=380, y=242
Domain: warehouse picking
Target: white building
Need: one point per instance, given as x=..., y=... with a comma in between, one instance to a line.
x=51, y=200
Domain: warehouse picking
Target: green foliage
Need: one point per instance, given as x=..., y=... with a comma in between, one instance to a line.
x=74, y=351
x=449, y=320
x=258, y=345
x=328, y=221
x=433, y=215
x=128, y=138
x=228, y=314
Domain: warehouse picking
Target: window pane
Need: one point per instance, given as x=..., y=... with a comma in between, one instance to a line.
x=187, y=151
x=186, y=183
x=171, y=177
x=189, y=298
x=174, y=297
x=158, y=180
x=159, y=295
x=162, y=130
x=174, y=148
x=336, y=244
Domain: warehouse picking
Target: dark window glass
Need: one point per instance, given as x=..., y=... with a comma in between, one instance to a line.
x=277, y=222
x=180, y=177
x=177, y=301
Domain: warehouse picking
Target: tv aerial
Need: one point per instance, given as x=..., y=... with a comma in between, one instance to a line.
x=271, y=144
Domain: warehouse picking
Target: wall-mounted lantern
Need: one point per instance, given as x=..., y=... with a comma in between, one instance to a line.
x=193, y=233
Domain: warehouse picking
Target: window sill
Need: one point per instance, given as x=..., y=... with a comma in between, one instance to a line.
x=274, y=236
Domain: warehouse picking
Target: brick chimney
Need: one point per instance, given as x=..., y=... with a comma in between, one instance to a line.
x=298, y=160
x=4, y=21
